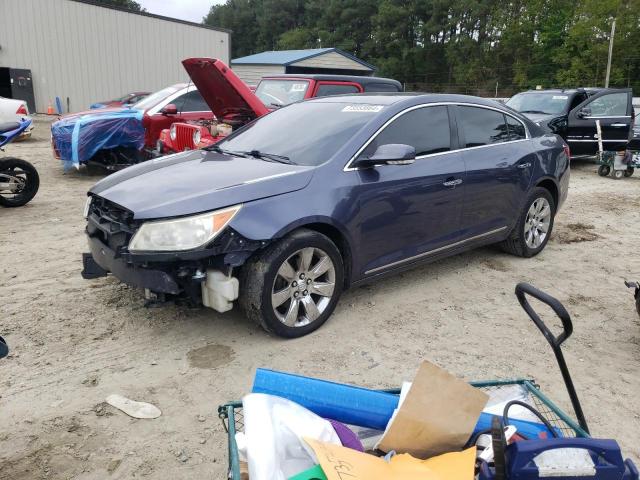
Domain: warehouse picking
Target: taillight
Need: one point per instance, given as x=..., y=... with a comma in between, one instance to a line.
x=22, y=110
x=567, y=151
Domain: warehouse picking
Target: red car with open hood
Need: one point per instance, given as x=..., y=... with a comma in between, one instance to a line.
x=234, y=104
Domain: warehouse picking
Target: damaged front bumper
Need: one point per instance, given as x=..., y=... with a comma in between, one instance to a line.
x=199, y=277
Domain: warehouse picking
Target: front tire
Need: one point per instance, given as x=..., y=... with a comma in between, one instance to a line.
x=534, y=226
x=28, y=182
x=292, y=287
x=628, y=172
x=604, y=170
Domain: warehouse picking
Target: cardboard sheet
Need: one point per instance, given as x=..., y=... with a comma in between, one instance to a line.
x=438, y=415
x=340, y=463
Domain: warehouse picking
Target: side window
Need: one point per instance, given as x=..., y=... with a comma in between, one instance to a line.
x=380, y=87
x=610, y=105
x=481, y=126
x=426, y=129
x=516, y=129
x=327, y=89
x=191, y=102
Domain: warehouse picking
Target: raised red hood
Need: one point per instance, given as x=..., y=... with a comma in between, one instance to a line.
x=222, y=89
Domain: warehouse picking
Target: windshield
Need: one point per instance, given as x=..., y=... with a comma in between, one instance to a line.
x=280, y=92
x=307, y=133
x=153, y=99
x=542, y=102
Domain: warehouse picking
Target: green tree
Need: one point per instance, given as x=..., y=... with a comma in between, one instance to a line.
x=128, y=4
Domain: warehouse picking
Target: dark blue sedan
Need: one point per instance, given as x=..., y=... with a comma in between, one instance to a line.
x=292, y=209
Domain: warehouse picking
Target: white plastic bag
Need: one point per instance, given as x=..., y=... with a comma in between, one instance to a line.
x=274, y=428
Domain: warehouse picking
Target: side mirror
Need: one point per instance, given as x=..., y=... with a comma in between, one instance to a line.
x=584, y=112
x=4, y=350
x=390, y=154
x=169, y=109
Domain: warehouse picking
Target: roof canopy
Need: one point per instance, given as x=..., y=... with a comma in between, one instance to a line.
x=291, y=57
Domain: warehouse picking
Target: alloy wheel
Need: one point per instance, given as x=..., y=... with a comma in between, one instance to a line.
x=536, y=225
x=303, y=287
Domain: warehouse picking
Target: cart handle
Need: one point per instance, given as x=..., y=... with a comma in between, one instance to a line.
x=523, y=289
x=556, y=306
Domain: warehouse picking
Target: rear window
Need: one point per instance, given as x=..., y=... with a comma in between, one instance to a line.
x=380, y=87
x=325, y=90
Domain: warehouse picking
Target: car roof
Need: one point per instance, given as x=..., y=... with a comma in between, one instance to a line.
x=566, y=90
x=391, y=98
x=336, y=78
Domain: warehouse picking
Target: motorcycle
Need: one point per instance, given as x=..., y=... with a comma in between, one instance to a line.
x=19, y=180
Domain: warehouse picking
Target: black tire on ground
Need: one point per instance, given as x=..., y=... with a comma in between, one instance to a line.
x=515, y=244
x=618, y=174
x=258, y=275
x=628, y=172
x=10, y=165
x=603, y=170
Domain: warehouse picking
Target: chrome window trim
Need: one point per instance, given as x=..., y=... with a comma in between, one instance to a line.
x=436, y=250
x=349, y=168
x=607, y=116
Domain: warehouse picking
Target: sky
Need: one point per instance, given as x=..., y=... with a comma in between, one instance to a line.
x=192, y=10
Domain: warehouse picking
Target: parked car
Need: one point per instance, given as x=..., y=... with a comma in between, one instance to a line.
x=325, y=194
x=635, y=141
x=234, y=104
x=12, y=111
x=572, y=114
x=114, y=138
x=128, y=99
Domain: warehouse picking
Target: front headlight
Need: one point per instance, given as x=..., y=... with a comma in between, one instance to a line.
x=197, y=135
x=87, y=206
x=183, y=233
x=172, y=132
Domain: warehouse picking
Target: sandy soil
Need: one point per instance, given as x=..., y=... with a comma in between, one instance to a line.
x=74, y=341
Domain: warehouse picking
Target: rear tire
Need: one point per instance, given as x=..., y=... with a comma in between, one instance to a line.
x=15, y=166
x=522, y=242
x=628, y=172
x=603, y=170
x=282, y=291
x=618, y=174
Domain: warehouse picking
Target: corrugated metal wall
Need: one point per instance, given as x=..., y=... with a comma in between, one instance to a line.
x=332, y=60
x=90, y=53
x=251, y=74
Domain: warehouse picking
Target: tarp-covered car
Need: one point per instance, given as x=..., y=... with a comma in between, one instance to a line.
x=117, y=137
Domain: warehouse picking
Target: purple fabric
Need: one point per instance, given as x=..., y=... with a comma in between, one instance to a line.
x=346, y=436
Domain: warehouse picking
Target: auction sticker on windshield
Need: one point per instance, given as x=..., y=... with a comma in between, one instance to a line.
x=560, y=97
x=363, y=108
x=298, y=87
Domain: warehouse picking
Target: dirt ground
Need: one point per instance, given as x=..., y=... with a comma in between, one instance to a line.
x=74, y=342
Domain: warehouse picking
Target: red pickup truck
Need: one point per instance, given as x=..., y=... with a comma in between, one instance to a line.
x=234, y=104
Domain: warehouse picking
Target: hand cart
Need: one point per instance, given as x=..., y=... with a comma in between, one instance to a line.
x=232, y=417
x=619, y=164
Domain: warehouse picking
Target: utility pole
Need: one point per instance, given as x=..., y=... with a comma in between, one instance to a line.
x=613, y=32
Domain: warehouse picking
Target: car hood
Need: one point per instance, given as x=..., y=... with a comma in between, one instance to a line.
x=222, y=89
x=198, y=181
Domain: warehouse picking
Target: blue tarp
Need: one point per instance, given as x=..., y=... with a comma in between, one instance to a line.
x=79, y=138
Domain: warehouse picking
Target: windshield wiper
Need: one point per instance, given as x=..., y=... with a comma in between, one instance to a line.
x=269, y=156
x=216, y=148
x=540, y=112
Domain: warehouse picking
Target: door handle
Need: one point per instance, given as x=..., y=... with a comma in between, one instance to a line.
x=524, y=165
x=619, y=125
x=452, y=183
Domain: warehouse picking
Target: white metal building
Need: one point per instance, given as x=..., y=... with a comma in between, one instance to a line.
x=319, y=60
x=86, y=52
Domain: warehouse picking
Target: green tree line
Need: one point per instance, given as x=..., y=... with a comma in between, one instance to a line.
x=467, y=46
